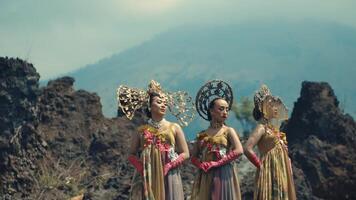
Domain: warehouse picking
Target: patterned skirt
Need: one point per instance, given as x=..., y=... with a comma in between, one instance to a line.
x=218, y=184
x=274, y=179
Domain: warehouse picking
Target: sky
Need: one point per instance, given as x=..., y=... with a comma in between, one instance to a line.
x=59, y=36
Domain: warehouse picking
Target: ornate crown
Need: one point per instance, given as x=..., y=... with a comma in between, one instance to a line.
x=154, y=87
x=208, y=92
x=179, y=103
x=264, y=94
x=260, y=96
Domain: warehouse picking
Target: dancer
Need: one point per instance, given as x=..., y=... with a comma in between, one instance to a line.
x=217, y=147
x=274, y=178
x=159, y=147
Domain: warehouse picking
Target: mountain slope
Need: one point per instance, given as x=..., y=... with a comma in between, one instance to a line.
x=280, y=54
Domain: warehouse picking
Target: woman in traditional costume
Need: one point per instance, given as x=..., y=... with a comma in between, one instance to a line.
x=274, y=179
x=217, y=147
x=159, y=147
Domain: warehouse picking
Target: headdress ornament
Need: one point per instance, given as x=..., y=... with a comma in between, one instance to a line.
x=260, y=96
x=264, y=98
x=210, y=91
x=179, y=103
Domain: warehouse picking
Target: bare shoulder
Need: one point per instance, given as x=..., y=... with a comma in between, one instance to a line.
x=260, y=127
x=230, y=129
x=176, y=126
x=259, y=130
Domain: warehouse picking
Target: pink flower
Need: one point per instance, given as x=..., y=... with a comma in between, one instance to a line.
x=162, y=146
x=148, y=137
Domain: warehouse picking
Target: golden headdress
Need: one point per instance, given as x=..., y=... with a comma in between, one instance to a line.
x=154, y=87
x=263, y=98
x=179, y=103
x=260, y=96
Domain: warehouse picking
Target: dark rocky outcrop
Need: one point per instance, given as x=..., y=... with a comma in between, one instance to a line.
x=55, y=142
x=92, y=148
x=20, y=143
x=322, y=142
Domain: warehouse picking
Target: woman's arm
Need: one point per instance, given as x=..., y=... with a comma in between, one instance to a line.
x=181, y=143
x=235, y=142
x=182, y=148
x=196, y=150
x=254, y=138
x=135, y=144
x=232, y=155
x=133, y=159
x=195, y=156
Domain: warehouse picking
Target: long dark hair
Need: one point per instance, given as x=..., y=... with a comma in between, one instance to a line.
x=257, y=114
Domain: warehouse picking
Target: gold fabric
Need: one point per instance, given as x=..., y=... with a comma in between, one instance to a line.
x=274, y=179
x=166, y=135
x=218, y=183
x=219, y=139
x=151, y=186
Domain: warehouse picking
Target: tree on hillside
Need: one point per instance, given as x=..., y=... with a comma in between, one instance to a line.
x=243, y=113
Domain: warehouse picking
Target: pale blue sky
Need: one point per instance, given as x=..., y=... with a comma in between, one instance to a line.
x=59, y=36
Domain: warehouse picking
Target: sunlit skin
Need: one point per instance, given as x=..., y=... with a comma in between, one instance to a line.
x=158, y=109
x=270, y=108
x=219, y=113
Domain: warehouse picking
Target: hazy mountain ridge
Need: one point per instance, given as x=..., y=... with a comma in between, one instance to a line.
x=280, y=54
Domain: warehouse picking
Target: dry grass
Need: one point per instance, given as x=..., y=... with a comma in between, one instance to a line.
x=59, y=179
x=54, y=176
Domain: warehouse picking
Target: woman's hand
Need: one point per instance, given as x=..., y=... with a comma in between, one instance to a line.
x=254, y=138
x=178, y=161
x=136, y=163
x=206, y=166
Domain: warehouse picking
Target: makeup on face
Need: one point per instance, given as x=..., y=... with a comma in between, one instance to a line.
x=220, y=110
x=159, y=105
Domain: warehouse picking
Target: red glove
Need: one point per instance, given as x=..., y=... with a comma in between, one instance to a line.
x=174, y=163
x=197, y=163
x=231, y=156
x=255, y=161
x=136, y=163
x=207, y=165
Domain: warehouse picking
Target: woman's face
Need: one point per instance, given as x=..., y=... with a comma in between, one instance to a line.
x=220, y=110
x=159, y=105
x=270, y=108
